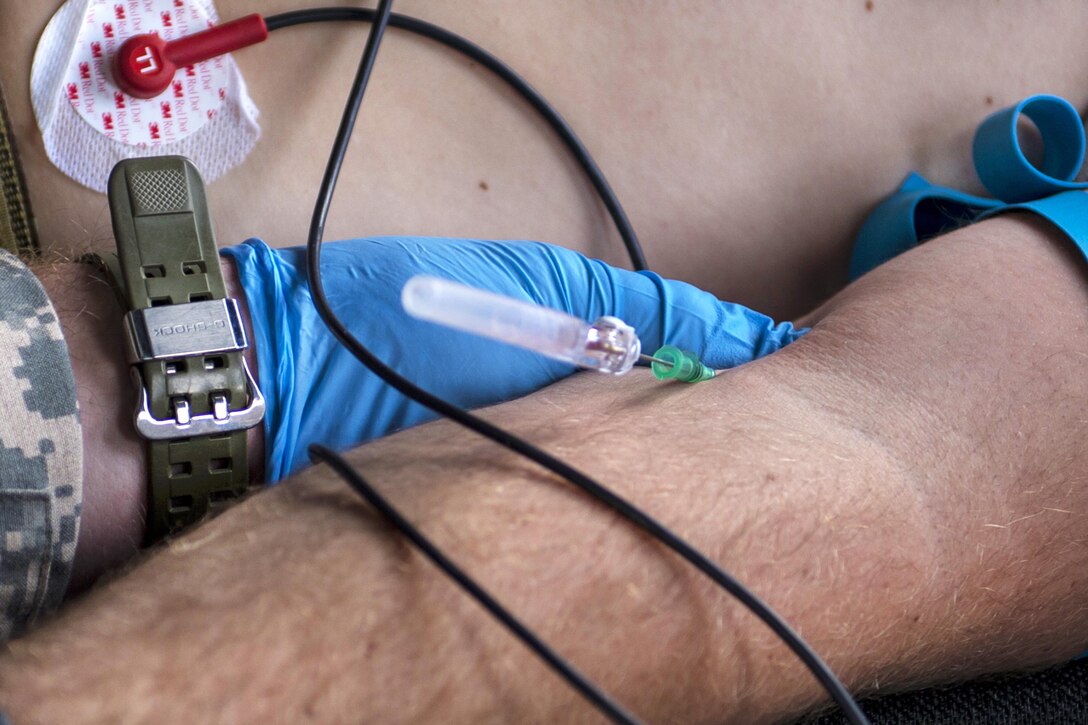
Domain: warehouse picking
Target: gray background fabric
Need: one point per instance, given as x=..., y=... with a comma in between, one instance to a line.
x=1057, y=696
x=41, y=452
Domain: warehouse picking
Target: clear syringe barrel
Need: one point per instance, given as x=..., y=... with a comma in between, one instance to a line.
x=607, y=345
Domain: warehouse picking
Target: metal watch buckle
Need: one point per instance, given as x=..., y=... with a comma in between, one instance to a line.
x=220, y=420
x=188, y=330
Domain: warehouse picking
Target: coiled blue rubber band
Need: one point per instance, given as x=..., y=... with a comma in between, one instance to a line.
x=919, y=210
x=1000, y=162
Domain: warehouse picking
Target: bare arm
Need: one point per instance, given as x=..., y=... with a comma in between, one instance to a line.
x=906, y=485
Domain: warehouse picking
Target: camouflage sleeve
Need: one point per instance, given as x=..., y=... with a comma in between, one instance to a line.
x=41, y=452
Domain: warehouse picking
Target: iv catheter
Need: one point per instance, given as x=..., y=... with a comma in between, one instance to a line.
x=608, y=345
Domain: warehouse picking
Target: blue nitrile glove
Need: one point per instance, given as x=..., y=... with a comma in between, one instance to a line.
x=318, y=392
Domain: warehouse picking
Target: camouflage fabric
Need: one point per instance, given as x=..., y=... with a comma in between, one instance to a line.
x=41, y=452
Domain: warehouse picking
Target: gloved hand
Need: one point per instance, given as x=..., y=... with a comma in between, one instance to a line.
x=318, y=392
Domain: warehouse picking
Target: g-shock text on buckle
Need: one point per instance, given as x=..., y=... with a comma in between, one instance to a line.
x=196, y=395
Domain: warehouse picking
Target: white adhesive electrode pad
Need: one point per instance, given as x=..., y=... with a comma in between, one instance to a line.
x=88, y=125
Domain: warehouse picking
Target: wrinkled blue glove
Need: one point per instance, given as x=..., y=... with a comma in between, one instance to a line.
x=318, y=393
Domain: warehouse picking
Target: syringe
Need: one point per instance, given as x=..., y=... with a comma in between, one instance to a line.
x=608, y=345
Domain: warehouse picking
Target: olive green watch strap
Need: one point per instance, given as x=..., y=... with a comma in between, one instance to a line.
x=197, y=396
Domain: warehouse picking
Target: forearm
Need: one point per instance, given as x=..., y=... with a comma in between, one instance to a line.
x=301, y=585
x=894, y=484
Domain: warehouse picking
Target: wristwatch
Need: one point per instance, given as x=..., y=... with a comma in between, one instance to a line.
x=196, y=395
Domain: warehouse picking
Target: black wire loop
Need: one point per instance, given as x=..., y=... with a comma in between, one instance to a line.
x=381, y=18
x=515, y=81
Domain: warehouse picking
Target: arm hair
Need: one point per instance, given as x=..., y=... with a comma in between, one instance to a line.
x=905, y=485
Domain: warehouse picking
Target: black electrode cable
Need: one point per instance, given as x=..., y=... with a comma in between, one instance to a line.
x=808, y=656
x=590, y=691
x=582, y=684
x=515, y=81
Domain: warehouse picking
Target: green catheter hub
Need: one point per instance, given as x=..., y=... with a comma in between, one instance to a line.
x=672, y=363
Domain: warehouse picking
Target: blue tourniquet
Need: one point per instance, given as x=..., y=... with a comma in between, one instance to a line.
x=919, y=210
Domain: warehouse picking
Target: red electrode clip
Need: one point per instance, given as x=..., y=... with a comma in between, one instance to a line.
x=145, y=64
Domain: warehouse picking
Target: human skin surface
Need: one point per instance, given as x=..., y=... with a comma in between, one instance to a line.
x=905, y=485
x=747, y=140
